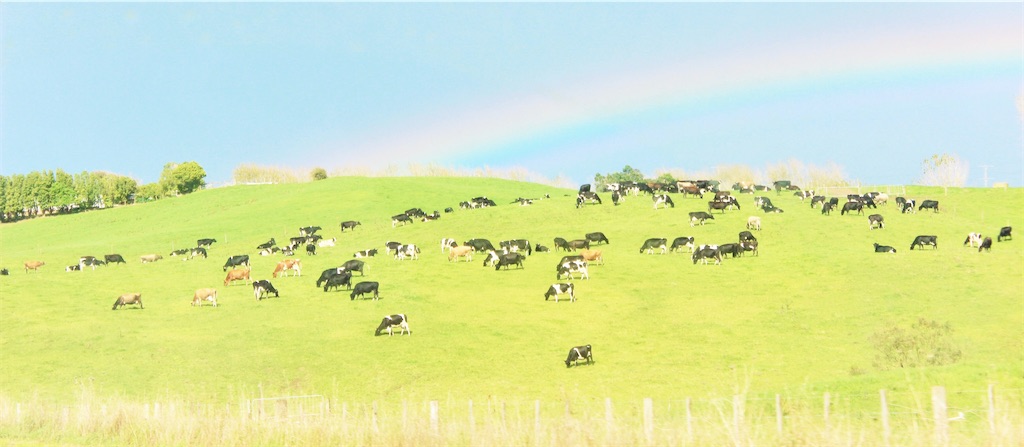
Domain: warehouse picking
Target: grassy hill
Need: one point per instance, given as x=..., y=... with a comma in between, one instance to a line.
x=801, y=316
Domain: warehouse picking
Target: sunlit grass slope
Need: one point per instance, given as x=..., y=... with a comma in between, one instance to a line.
x=798, y=317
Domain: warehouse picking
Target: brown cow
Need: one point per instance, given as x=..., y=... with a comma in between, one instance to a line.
x=33, y=265
x=462, y=251
x=288, y=264
x=237, y=274
x=592, y=256
x=204, y=295
x=128, y=298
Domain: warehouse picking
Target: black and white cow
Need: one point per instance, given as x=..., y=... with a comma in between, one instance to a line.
x=267, y=244
x=311, y=249
x=973, y=239
x=180, y=251
x=410, y=251
x=1004, y=233
x=884, y=249
x=921, y=241
x=817, y=200
x=700, y=217
x=400, y=218
x=365, y=287
x=654, y=243
x=985, y=245
x=540, y=248
x=328, y=273
x=392, y=246
x=750, y=246
x=705, y=253
x=761, y=201
x=597, y=237
x=327, y=242
x=342, y=278
x=349, y=225
x=309, y=231
x=721, y=206
x=747, y=236
x=680, y=242
x=508, y=259
x=616, y=198
x=491, y=258
x=568, y=258
x=929, y=204
x=113, y=259
x=449, y=210
x=365, y=253
x=561, y=244
x=235, y=261
x=205, y=242
x=569, y=268
x=577, y=353
x=559, y=289
x=198, y=251
x=73, y=268
x=264, y=287
x=587, y=197
x=354, y=265
x=663, y=199
x=579, y=244
x=730, y=249
x=876, y=219
x=480, y=244
x=517, y=245
x=908, y=206
x=447, y=243
x=392, y=321
x=826, y=208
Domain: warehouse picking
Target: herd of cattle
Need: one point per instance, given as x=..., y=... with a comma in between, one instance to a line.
x=513, y=253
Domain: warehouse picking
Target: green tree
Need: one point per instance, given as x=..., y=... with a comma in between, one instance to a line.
x=148, y=192
x=182, y=178
x=628, y=174
x=318, y=174
x=124, y=190
x=63, y=188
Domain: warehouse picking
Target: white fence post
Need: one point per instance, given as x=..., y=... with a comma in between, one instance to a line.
x=939, y=413
x=434, y=415
x=649, y=419
x=885, y=418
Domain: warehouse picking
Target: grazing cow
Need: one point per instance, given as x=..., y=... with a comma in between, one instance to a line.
x=705, y=253
x=884, y=249
x=365, y=253
x=593, y=256
x=480, y=244
x=827, y=207
x=852, y=206
x=327, y=274
x=508, y=259
x=4, y=272
x=183, y=251
x=267, y=244
x=541, y=248
x=311, y=249
x=908, y=206
x=73, y=268
x=392, y=321
x=730, y=249
x=349, y=225
x=392, y=246
x=985, y=245
x=342, y=278
x=754, y=223
x=238, y=275
x=663, y=199
x=297, y=241
x=654, y=243
x=568, y=258
x=205, y=242
x=461, y=251
x=202, y=295
x=718, y=206
x=585, y=197
x=90, y=261
x=579, y=244
x=558, y=289
x=33, y=265
x=449, y=210
x=750, y=246
x=288, y=264
x=195, y=252
x=236, y=261
x=876, y=219
x=561, y=243
x=616, y=198
x=490, y=259
x=880, y=198
x=931, y=204
x=354, y=265
x=415, y=213
x=973, y=239
x=516, y=245
x=263, y=287
x=403, y=218
x=681, y=242
x=365, y=287
x=1004, y=233
x=921, y=241
x=447, y=243
x=761, y=201
x=308, y=231
x=114, y=258
x=128, y=298
x=431, y=217
x=150, y=258
x=700, y=217
x=576, y=353
x=597, y=237
x=327, y=242
x=410, y=251
x=567, y=269
x=747, y=236
x=816, y=200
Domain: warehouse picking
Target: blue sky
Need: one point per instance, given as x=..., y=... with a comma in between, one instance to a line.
x=567, y=89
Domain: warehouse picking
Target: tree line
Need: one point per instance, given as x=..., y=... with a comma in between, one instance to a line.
x=41, y=193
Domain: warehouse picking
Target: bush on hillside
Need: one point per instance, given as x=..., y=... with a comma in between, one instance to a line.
x=925, y=343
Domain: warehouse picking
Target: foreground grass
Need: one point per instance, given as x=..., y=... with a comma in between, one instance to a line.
x=796, y=319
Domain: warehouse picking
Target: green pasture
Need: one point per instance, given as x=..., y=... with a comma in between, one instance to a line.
x=797, y=318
